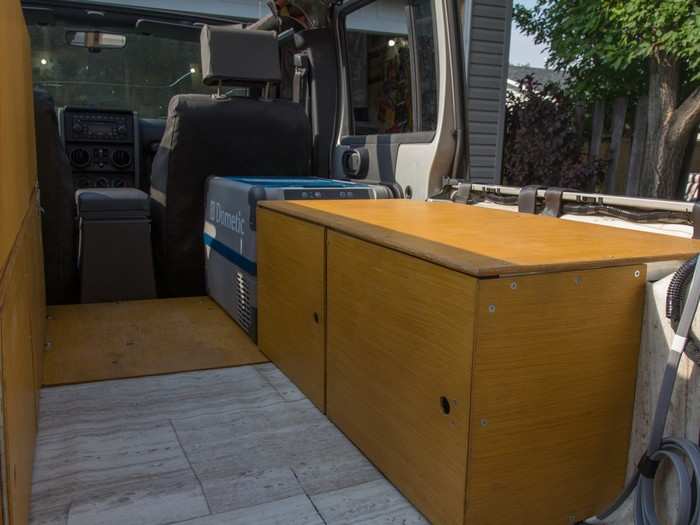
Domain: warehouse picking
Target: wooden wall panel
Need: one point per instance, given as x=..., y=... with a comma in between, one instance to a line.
x=22, y=304
x=17, y=314
x=34, y=271
x=552, y=394
x=17, y=143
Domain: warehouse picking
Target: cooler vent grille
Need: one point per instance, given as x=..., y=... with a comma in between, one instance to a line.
x=243, y=300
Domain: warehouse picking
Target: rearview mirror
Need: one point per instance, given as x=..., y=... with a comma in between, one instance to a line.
x=95, y=40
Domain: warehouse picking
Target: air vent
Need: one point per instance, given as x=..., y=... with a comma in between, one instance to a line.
x=79, y=158
x=121, y=158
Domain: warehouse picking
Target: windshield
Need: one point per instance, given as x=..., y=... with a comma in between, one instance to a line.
x=142, y=76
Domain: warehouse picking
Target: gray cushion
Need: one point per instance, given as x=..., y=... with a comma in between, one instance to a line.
x=110, y=202
x=235, y=56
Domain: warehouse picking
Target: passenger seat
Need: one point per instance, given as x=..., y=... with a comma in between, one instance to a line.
x=222, y=135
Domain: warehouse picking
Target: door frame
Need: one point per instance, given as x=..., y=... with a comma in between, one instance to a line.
x=421, y=161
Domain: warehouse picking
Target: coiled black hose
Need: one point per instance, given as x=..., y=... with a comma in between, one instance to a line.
x=674, y=296
x=681, y=455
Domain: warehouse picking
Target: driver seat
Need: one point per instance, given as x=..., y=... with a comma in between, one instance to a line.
x=220, y=135
x=55, y=178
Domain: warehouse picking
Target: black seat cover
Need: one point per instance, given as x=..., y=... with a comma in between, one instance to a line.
x=215, y=136
x=56, y=191
x=218, y=135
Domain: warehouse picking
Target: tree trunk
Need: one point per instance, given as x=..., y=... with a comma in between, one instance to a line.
x=669, y=129
x=684, y=123
x=685, y=167
x=669, y=164
x=597, y=129
x=663, y=93
x=639, y=135
x=616, y=136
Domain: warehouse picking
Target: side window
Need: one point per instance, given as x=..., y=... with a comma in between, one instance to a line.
x=391, y=55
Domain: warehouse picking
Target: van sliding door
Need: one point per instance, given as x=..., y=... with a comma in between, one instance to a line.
x=399, y=115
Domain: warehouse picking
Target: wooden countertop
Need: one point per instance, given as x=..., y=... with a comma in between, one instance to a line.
x=485, y=242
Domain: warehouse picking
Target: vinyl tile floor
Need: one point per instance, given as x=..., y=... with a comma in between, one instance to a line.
x=235, y=446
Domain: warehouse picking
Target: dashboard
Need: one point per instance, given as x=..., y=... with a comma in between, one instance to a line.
x=103, y=147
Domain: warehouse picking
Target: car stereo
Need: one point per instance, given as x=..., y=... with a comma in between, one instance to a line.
x=102, y=147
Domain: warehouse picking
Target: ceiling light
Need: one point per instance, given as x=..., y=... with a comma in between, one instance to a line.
x=392, y=42
x=44, y=61
x=193, y=70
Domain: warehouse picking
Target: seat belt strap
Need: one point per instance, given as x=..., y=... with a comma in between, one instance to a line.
x=300, y=89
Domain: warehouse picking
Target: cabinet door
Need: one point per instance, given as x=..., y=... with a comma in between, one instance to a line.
x=291, y=299
x=399, y=350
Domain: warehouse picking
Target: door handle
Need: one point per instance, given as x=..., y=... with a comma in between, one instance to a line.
x=356, y=163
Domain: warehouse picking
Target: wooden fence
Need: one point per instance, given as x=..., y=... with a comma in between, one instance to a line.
x=624, y=152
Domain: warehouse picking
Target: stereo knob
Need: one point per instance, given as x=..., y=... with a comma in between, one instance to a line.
x=79, y=158
x=78, y=128
x=122, y=130
x=102, y=183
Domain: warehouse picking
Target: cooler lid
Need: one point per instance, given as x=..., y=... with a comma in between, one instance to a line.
x=296, y=182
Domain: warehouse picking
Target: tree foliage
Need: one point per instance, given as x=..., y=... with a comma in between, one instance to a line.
x=604, y=44
x=542, y=145
x=613, y=48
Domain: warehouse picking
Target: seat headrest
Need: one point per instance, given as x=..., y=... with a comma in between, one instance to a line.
x=241, y=57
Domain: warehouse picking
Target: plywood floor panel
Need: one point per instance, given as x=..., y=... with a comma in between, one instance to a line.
x=94, y=342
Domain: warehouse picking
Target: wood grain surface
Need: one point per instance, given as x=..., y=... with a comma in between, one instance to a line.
x=17, y=144
x=486, y=242
x=22, y=338
x=400, y=335
x=22, y=307
x=291, y=300
x=552, y=398
x=93, y=342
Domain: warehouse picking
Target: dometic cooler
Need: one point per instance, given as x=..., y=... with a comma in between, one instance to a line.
x=229, y=232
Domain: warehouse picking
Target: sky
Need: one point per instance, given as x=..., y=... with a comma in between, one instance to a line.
x=522, y=47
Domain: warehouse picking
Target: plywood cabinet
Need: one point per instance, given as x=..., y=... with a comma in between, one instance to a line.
x=398, y=389
x=552, y=395
x=491, y=382
x=291, y=293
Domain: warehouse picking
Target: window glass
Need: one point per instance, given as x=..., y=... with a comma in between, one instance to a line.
x=142, y=76
x=391, y=53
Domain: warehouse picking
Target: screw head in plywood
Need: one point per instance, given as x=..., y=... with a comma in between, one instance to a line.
x=484, y=423
x=637, y=273
x=514, y=285
x=578, y=279
x=492, y=308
